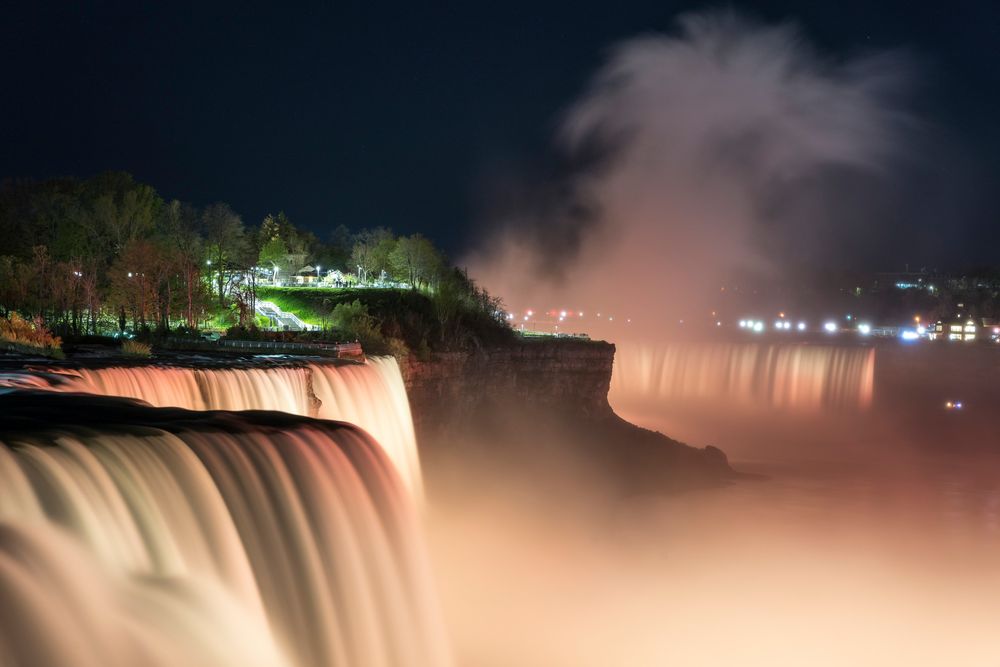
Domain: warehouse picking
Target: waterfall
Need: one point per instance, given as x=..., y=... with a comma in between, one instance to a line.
x=784, y=376
x=372, y=396
x=369, y=395
x=134, y=535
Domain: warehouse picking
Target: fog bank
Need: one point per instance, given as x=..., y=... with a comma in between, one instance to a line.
x=703, y=156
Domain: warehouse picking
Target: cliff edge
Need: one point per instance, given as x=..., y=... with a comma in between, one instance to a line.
x=544, y=400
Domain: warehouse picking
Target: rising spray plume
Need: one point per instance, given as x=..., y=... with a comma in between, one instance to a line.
x=718, y=148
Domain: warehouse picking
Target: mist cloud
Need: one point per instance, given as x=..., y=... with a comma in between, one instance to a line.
x=723, y=148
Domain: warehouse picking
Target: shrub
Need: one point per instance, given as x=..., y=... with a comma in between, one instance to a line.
x=354, y=320
x=133, y=348
x=183, y=331
x=29, y=336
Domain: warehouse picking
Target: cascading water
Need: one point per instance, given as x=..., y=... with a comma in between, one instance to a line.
x=369, y=395
x=794, y=377
x=134, y=535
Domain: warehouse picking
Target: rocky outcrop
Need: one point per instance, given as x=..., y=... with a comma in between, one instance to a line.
x=536, y=395
x=551, y=374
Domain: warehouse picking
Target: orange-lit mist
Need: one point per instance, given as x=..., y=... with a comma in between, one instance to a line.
x=718, y=149
x=872, y=536
x=868, y=532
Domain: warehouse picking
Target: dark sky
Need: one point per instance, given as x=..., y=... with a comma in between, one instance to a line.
x=402, y=115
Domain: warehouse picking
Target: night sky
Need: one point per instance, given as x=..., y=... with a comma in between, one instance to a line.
x=407, y=117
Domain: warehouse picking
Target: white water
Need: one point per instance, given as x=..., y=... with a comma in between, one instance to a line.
x=749, y=375
x=369, y=395
x=224, y=543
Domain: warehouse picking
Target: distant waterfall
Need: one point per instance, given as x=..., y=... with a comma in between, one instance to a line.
x=369, y=395
x=138, y=536
x=783, y=376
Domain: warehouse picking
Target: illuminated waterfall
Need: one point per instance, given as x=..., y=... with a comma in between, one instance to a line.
x=373, y=397
x=796, y=377
x=138, y=536
x=369, y=395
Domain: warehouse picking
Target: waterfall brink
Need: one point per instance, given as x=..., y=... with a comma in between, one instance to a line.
x=369, y=395
x=782, y=376
x=133, y=535
x=372, y=396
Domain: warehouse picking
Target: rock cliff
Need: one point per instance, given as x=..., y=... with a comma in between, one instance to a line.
x=555, y=374
x=526, y=396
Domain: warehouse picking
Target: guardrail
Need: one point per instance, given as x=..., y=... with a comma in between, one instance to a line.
x=340, y=350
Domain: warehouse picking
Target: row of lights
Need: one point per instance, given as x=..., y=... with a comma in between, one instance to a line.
x=786, y=325
x=758, y=325
x=562, y=315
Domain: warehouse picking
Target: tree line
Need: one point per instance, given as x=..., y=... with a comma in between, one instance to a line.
x=109, y=254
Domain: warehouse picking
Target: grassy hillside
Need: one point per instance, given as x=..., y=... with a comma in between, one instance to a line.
x=422, y=322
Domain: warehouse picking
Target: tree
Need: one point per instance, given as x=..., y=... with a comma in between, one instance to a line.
x=415, y=260
x=121, y=209
x=336, y=253
x=225, y=241
x=179, y=228
x=273, y=253
x=133, y=282
x=372, y=248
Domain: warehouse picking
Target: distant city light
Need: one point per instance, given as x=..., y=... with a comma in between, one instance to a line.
x=743, y=324
x=758, y=326
x=909, y=335
x=864, y=329
x=830, y=327
x=562, y=313
x=801, y=326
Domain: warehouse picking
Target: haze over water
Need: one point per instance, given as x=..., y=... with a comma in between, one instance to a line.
x=867, y=533
x=862, y=542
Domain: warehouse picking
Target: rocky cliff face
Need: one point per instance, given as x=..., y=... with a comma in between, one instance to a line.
x=534, y=399
x=562, y=375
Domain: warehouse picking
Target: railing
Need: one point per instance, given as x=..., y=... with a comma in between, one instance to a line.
x=278, y=316
x=340, y=350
